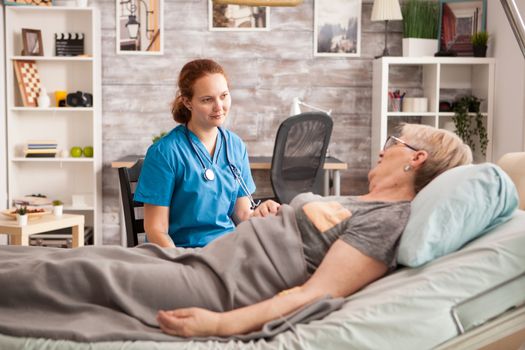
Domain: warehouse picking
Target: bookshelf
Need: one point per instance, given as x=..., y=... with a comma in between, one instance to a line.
x=62, y=177
x=436, y=79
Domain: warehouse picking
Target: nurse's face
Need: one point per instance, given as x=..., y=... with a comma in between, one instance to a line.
x=210, y=103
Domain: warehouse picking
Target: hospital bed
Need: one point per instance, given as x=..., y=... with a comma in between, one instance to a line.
x=470, y=299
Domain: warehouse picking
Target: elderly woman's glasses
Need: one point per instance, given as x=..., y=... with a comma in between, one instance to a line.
x=392, y=141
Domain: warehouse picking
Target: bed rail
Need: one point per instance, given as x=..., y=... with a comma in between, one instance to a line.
x=490, y=304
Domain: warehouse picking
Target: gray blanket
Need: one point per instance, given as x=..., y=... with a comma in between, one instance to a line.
x=113, y=293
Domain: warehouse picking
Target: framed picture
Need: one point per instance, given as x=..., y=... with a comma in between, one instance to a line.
x=337, y=28
x=140, y=26
x=237, y=17
x=28, y=2
x=459, y=19
x=32, y=42
x=28, y=82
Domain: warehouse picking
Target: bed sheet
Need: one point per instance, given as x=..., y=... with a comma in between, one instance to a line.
x=409, y=309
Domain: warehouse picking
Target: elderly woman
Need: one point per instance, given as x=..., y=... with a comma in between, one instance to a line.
x=267, y=268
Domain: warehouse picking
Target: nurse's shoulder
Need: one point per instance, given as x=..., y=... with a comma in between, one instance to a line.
x=233, y=139
x=167, y=147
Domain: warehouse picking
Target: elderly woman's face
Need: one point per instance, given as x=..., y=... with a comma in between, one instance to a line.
x=396, y=154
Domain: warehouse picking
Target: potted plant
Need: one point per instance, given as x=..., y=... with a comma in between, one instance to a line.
x=58, y=207
x=158, y=137
x=21, y=216
x=479, y=43
x=420, y=27
x=470, y=127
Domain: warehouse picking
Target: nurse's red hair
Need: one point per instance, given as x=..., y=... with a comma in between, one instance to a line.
x=190, y=73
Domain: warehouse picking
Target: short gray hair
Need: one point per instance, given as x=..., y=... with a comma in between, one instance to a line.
x=445, y=150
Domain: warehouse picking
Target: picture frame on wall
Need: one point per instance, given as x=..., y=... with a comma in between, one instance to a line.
x=32, y=42
x=28, y=2
x=458, y=20
x=337, y=28
x=140, y=27
x=238, y=17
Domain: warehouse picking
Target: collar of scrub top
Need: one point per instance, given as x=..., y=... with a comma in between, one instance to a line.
x=209, y=175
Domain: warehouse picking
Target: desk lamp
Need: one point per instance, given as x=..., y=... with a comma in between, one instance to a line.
x=386, y=10
x=296, y=107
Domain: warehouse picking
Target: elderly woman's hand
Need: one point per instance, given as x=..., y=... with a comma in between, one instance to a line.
x=267, y=208
x=189, y=322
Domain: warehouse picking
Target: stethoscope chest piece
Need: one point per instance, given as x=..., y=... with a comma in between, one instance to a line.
x=209, y=175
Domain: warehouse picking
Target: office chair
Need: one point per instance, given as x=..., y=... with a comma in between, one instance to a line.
x=128, y=178
x=299, y=154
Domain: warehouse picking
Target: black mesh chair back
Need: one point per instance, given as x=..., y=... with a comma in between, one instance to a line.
x=299, y=154
x=128, y=178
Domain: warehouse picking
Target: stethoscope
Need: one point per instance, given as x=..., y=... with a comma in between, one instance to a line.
x=209, y=175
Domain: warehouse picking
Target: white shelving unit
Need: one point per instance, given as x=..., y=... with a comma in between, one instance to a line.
x=60, y=177
x=437, y=79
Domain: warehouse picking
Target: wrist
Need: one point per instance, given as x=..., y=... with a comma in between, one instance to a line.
x=224, y=328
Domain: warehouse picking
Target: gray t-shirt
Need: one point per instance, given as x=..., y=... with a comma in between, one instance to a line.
x=374, y=228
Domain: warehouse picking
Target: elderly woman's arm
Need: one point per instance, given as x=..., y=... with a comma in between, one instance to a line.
x=343, y=271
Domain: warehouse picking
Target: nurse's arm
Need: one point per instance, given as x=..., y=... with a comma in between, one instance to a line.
x=343, y=271
x=242, y=208
x=156, y=224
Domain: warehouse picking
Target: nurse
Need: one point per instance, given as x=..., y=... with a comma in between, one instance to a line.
x=197, y=176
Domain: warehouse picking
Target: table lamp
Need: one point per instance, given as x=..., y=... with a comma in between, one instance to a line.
x=386, y=10
x=296, y=107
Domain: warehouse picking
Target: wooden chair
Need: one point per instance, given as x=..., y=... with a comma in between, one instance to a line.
x=128, y=178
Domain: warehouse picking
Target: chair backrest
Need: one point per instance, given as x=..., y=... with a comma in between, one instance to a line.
x=128, y=178
x=299, y=154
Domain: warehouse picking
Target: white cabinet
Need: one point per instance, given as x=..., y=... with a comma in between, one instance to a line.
x=62, y=177
x=434, y=79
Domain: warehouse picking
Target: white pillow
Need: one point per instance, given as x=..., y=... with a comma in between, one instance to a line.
x=453, y=209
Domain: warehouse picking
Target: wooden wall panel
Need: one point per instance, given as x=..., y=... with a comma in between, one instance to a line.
x=267, y=70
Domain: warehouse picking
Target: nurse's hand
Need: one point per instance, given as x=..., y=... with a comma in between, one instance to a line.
x=189, y=322
x=267, y=208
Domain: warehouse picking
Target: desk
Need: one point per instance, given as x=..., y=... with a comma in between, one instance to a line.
x=332, y=166
x=20, y=234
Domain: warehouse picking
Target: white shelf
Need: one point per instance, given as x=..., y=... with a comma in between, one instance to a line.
x=53, y=160
x=436, y=79
x=53, y=109
x=451, y=114
x=410, y=114
x=70, y=207
x=54, y=58
x=58, y=177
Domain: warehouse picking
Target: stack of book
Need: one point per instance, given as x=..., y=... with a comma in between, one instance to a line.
x=40, y=148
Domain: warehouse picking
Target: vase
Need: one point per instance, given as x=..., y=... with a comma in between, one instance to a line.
x=416, y=47
x=58, y=210
x=480, y=51
x=21, y=220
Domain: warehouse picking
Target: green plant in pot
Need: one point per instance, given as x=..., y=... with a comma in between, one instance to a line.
x=158, y=137
x=479, y=42
x=420, y=27
x=468, y=126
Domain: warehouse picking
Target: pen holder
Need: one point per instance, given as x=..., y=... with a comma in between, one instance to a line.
x=395, y=104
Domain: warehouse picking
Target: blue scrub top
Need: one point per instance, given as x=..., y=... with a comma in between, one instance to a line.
x=172, y=175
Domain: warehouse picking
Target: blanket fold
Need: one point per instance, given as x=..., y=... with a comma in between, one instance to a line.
x=113, y=293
